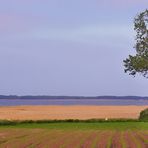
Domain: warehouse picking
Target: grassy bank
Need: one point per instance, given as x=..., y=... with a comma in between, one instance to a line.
x=77, y=124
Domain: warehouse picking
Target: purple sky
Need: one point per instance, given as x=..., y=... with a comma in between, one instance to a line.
x=63, y=47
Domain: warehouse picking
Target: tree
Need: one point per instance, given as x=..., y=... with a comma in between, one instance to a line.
x=139, y=62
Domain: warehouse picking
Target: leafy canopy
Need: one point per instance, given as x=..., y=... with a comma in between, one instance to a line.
x=144, y=115
x=139, y=62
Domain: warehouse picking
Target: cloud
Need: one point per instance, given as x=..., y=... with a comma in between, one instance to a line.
x=88, y=34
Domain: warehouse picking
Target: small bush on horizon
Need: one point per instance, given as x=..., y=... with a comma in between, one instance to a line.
x=144, y=115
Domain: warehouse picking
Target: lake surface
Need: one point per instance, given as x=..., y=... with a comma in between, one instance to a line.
x=16, y=102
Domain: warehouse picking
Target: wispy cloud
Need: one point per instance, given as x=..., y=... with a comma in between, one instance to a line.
x=93, y=35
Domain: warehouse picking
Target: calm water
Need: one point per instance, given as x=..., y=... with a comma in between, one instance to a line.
x=15, y=102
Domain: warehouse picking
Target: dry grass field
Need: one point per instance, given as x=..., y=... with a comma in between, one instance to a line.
x=69, y=112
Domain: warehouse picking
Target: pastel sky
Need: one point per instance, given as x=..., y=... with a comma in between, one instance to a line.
x=63, y=47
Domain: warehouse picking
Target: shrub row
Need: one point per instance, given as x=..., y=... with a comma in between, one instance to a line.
x=16, y=122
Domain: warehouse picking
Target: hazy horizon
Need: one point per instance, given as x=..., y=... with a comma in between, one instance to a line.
x=42, y=95
x=68, y=48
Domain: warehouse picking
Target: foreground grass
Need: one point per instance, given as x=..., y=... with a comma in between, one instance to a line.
x=106, y=125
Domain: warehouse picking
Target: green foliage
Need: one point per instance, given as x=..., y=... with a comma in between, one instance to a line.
x=19, y=122
x=139, y=62
x=144, y=115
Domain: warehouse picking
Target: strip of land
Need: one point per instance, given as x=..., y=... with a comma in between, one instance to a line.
x=69, y=112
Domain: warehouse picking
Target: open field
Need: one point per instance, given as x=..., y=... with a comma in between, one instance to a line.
x=75, y=135
x=69, y=112
x=81, y=133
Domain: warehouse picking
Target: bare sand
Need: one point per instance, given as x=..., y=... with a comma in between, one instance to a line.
x=69, y=112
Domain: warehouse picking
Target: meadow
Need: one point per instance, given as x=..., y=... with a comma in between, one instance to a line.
x=74, y=134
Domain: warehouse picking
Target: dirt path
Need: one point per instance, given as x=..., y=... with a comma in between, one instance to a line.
x=69, y=112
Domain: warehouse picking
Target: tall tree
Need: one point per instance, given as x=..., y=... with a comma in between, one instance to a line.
x=139, y=62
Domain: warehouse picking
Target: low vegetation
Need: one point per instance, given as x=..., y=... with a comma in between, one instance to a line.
x=17, y=122
x=144, y=115
x=66, y=125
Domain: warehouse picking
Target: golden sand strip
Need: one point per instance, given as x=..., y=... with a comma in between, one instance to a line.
x=69, y=112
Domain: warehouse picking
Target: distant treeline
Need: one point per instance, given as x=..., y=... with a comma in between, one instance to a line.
x=73, y=97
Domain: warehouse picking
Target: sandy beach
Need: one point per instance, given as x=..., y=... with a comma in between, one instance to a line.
x=69, y=112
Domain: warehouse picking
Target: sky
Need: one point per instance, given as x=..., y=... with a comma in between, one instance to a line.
x=63, y=47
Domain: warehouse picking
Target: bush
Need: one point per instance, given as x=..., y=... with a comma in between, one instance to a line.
x=144, y=115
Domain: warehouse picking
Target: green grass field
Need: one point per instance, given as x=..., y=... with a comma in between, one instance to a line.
x=75, y=135
x=84, y=125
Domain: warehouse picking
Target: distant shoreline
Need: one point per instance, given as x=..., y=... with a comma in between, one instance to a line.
x=73, y=97
x=73, y=101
